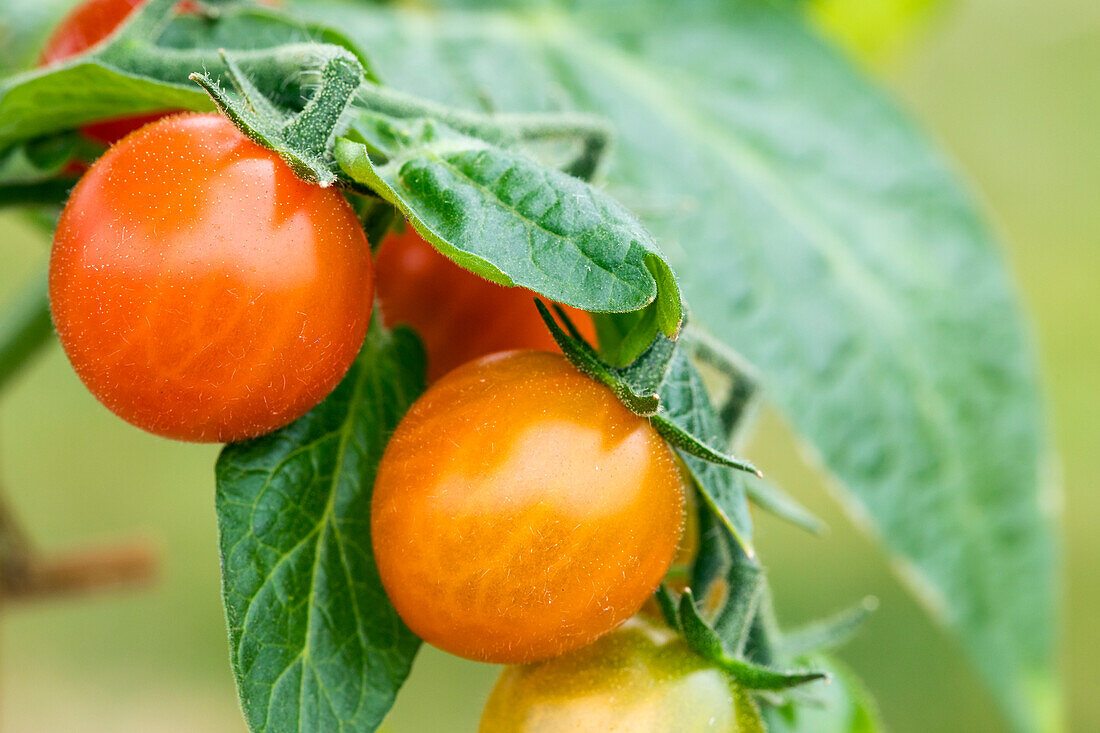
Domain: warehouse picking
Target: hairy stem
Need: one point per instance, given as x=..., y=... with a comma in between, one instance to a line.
x=26, y=574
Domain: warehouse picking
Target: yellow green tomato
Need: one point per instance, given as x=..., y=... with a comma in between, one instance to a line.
x=641, y=678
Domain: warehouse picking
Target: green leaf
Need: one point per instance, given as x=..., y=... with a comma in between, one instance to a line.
x=771, y=498
x=686, y=406
x=730, y=581
x=39, y=160
x=574, y=143
x=734, y=621
x=511, y=219
x=315, y=643
x=728, y=375
x=303, y=137
x=689, y=442
x=470, y=182
x=844, y=705
x=682, y=413
x=826, y=634
x=624, y=337
x=816, y=232
x=36, y=171
x=706, y=642
x=714, y=556
x=584, y=357
x=146, y=64
x=650, y=369
x=667, y=605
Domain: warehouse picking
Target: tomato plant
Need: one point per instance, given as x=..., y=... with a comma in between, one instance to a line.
x=459, y=315
x=710, y=208
x=554, y=511
x=641, y=678
x=200, y=289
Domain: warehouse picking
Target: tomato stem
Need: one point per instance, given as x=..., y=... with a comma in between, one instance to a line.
x=77, y=572
x=26, y=575
x=26, y=329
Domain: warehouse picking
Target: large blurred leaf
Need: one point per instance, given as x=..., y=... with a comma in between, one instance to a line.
x=817, y=232
x=315, y=643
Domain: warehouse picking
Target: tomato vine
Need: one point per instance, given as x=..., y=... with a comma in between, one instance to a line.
x=654, y=201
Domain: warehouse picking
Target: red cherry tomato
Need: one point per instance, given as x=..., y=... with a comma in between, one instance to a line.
x=521, y=511
x=201, y=290
x=459, y=315
x=86, y=25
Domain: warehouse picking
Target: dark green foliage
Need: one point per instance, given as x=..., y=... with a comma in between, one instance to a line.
x=315, y=643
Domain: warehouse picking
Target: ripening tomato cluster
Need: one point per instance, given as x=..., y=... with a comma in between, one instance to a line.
x=203, y=292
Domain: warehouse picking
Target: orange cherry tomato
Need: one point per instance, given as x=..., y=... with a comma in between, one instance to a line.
x=201, y=290
x=86, y=25
x=521, y=511
x=688, y=548
x=641, y=678
x=459, y=315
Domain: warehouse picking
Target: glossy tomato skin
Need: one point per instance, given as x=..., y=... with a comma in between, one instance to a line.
x=641, y=678
x=457, y=314
x=86, y=25
x=201, y=290
x=520, y=511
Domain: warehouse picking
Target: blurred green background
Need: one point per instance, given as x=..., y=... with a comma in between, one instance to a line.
x=1012, y=90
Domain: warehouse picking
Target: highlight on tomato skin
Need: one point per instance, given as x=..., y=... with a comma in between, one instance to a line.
x=201, y=290
x=640, y=678
x=521, y=511
x=458, y=315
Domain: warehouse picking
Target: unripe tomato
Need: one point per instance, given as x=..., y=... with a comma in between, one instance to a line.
x=520, y=511
x=86, y=25
x=641, y=678
x=201, y=290
x=459, y=315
